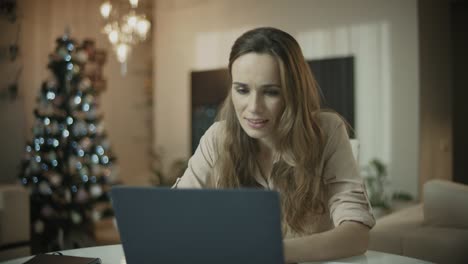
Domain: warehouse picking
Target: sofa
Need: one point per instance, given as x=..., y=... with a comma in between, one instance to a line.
x=435, y=230
x=14, y=221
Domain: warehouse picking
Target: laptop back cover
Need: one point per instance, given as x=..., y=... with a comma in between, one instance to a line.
x=159, y=225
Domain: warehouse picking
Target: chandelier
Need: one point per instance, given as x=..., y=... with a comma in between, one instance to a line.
x=124, y=27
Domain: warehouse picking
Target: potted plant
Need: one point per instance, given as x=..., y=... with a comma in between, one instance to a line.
x=382, y=200
x=375, y=178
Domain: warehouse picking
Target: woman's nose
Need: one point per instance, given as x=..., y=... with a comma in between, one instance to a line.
x=255, y=104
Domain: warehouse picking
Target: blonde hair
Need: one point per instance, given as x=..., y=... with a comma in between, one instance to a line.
x=299, y=137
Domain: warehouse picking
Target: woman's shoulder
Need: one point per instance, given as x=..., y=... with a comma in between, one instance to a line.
x=215, y=134
x=329, y=121
x=216, y=129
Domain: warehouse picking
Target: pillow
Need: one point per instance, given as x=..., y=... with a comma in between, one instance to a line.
x=446, y=204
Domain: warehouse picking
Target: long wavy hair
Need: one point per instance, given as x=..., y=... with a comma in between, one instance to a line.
x=299, y=138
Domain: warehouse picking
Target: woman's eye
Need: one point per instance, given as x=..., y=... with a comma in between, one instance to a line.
x=241, y=90
x=272, y=92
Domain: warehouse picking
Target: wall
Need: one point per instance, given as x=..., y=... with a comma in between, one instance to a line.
x=124, y=103
x=12, y=127
x=382, y=35
x=12, y=122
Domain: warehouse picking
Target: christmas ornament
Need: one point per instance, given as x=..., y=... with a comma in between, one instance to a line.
x=80, y=128
x=38, y=227
x=47, y=211
x=96, y=215
x=106, y=172
x=62, y=52
x=75, y=217
x=84, y=171
x=89, y=98
x=86, y=143
x=34, y=166
x=84, y=84
x=81, y=56
x=55, y=179
x=58, y=101
x=100, y=128
x=92, y=115
x=38, y=128
x=44, y=188
x=95, y=190
x=51, y=83
x=67, y=196
x=51, y=156
x=81, y=196
x=54, y=128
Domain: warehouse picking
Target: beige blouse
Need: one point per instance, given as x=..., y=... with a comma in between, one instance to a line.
x=347, y=197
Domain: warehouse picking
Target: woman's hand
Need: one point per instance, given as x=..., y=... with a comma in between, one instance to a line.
x=346, y=240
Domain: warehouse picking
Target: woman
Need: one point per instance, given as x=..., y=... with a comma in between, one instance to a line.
x=272, y=134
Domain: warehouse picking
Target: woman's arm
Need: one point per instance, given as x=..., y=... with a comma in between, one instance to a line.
x=346, y=240
x=346, y=199
x=199, y=172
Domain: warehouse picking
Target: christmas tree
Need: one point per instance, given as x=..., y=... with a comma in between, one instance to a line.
x=68, y=165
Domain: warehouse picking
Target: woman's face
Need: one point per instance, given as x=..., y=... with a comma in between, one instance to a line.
x=256, y=94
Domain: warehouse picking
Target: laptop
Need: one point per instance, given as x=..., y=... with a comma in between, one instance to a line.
x=161, y=225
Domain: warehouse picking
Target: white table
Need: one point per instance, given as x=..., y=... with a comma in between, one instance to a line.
x=114, y=255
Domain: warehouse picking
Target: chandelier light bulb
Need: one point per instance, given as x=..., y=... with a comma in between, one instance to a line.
x=134, y=3
x=132, y=21
x=107, y=29
x=106, y=8
x=143, y=27
x=126, y=29
x=122, y=52
x=113, y=36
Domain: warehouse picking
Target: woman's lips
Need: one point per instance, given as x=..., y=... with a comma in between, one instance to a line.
x=256, y=123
